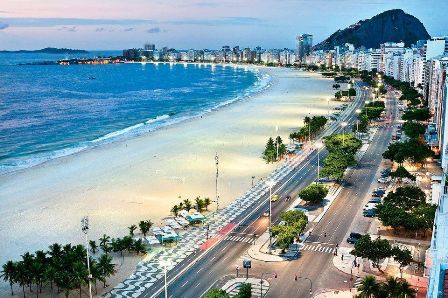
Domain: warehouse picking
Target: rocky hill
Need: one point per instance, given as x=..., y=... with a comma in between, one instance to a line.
x=392, y=25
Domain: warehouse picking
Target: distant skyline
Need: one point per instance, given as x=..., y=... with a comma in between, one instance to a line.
x=117, y=24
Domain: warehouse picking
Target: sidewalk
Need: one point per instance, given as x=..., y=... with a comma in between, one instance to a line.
x=260, y=251
x=334, y=294
x=232, y=286
x=345, y=262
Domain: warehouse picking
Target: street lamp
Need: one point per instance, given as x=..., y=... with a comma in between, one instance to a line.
x=358, y=112
x=85, y=230
x=328, y=108
x=319, y=146
x=343, y=125
x=311, y=283
x=165, y=264
x=270, y=184
x=366, y=107
x=276, y=140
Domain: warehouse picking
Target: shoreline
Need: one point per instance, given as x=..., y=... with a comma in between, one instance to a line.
x=123, y=182
x=149, y=126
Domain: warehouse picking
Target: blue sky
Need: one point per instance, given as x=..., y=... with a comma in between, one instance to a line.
x=117, y=24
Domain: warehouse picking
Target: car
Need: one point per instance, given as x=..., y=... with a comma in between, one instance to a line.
x=266, y=213
x=375, y=200
x=380, y=189
x=369, y=206
x=353, y=237
x=378, y=194
x=383, y=180
x=368, y=213
x=275, y=198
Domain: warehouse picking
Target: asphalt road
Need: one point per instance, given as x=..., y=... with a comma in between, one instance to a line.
x=194, y=276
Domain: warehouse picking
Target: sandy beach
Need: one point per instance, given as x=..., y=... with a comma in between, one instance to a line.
x=119, y=184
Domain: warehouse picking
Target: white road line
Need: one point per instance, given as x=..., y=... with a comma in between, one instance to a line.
x=197, y=285
x=184, y=284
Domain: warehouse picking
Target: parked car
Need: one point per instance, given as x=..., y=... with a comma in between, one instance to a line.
x=369, y=206
x=383, y=180
x=266, y=213
x=368, y=213
x=353, y=238
x=379, y=194
x=375, y=200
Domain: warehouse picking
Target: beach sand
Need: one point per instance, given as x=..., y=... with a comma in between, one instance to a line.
x=119, y=184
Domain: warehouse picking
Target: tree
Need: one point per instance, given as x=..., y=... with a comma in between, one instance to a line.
x=104, y=243
x=400, y=173
x=93, y=246
x=269, y=151
x=199, y=204
x=413, y=129
x=145, y=225
x=369, y=287
x=8, y=274
x=335, y=164
x=216, y=293
x=187, y=205
x=132, y=229
x=105, y=267
x=375, y=250
x=313, y=193
x=139, y=247
x=245, y=291
x=207, y=203
x=406, y=290
x=175, y=210
x=403, y=257
x=417, y=114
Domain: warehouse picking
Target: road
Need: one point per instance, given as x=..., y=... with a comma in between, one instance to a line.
x=201, y=272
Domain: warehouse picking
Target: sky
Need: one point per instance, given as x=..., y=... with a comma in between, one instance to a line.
x=182, y=24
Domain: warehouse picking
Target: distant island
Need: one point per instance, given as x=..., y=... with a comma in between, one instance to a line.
x=49, y=51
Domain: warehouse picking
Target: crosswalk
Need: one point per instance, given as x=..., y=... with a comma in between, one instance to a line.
x=357, y=282
x=238, y=238
x=319, y=248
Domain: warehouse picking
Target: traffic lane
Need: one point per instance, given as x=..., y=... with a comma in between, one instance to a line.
x=291, y=184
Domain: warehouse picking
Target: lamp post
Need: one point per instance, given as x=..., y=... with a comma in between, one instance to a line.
x=85, y=230
x=309, y=127
x=270, y=184
x=216, y=181
x=343, y=125
x=253, y=177
x=165, y=264
x=319, y=146
x=276, y=141
x=358, y=111
x=311, y=283
x=328, y=108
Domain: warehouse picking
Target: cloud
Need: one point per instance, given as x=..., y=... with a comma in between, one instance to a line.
x=129, y=29
x=154, y=30
x=235, y=21
x=3, y=26
x=99, y=29
x=52, y=22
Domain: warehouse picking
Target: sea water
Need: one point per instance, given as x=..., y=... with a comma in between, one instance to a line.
x=49, y=111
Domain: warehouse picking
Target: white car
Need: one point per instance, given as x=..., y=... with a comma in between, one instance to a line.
x=383, y=180
x=369, y=206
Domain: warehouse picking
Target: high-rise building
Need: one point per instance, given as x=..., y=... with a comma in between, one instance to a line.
x=149, y=47
x=304, y=44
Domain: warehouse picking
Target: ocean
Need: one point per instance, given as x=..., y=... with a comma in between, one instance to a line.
x=50, y=111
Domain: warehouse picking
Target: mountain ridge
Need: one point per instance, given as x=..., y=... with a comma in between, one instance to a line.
x=389, y=26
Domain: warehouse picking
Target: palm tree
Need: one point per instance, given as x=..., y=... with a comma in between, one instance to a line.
x=144, y=226
x=105, y=267
x=21, y=276
x=127, y=243
x=187, y=204
x=391, y=286
x=41, y=262
x=406, y=290
x=369, y=286
x=132, y=228
x=28, y=260
x=96, y=274
x=80, y=275
x=199, y=204
x=50, y=275
x=9, y=273
x=207, y=203
x=93, y=246
x=175, y=210
x=104, y=243
x=138, y=246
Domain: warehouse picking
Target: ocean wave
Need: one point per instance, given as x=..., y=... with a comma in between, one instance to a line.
x=263, y=82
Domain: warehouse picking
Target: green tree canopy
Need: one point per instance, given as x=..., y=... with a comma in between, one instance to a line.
x=216, y=293
x=374, y=250
x=417, y=114
x=313, y=193
x=413, y=129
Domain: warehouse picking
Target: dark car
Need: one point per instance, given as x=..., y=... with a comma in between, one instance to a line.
x=375, y=200
x=353, y=238
x=378, y=193
x=368, y=212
